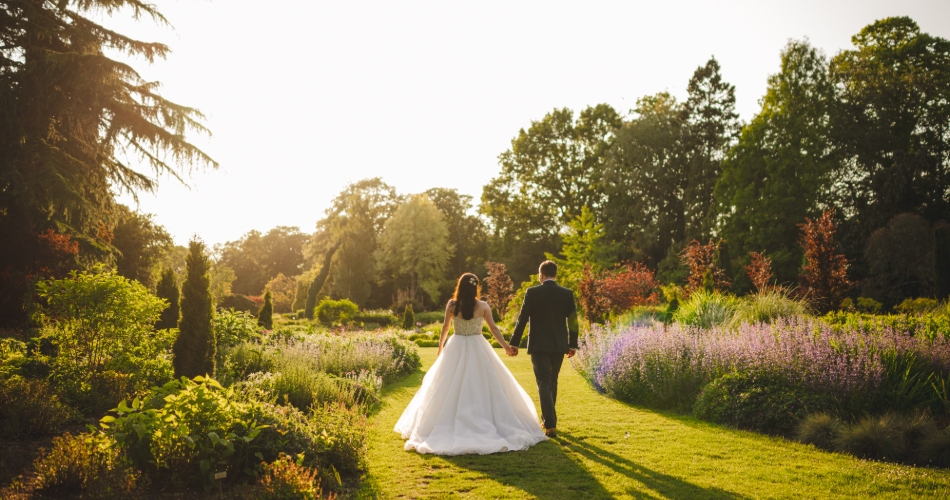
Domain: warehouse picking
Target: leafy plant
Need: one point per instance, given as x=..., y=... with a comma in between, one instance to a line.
x=499, y=287
x=759, y=271
x=335, y=311
x=767, y=306
x=706, y=310
x=824, y=277
x=85, y=463
x=288, y=479
x=919, y=305
x=29, y=407
x=702, y=262
x=868, y=305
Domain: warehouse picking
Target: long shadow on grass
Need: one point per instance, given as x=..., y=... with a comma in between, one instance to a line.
x=662, y=484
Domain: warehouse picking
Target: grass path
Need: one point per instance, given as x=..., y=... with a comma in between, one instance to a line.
x=608, y=449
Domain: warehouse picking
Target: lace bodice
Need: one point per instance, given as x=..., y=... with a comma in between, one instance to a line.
x=467, y=327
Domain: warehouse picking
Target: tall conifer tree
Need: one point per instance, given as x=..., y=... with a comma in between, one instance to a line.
x=168, y=289
x=194, y=349
x=265, y=317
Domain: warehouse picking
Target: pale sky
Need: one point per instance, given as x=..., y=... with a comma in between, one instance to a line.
x=304, y=97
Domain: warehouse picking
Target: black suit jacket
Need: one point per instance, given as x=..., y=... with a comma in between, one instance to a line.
x=547, y=308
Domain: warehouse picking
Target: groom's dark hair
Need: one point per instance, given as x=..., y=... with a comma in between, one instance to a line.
x=549, y=269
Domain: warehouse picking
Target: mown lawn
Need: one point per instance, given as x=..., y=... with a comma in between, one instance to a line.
x=608, y=449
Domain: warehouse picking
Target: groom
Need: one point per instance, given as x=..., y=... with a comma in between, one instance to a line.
x=550, y=310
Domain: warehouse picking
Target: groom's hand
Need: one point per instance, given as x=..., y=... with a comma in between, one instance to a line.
x=571, y=353
x=514, y=351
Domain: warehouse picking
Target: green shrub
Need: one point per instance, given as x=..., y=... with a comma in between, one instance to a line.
x=288, y=479
x=868, y=305
x=706, y=309
x=408, y=318
x=238, y=303
x=85, y=463
x=874, y=437
x=167, y=289
x=100, y=326
x=767, y=307
x=758, y=402
x=917, y=306
x=382, y=318
x=232, y=327
x=935, y=449
x=335, y=311
x=299, y=385
x=188, y=430
x=265, y=317
x=13, y=355
x=428, y=318
x=820, y=429
x=28, y=407
x=194, y=348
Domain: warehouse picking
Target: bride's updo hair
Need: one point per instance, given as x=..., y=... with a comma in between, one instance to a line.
x=466, y=293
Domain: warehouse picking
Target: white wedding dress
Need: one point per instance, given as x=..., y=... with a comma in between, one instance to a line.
x=469, y=403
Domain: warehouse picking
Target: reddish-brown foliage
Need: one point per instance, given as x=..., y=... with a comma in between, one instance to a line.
x=824, y=277
x=616, y=291
x=701, y=261
x=500, y=287
x=593, y=300
x=25, y=256
x=760, y=271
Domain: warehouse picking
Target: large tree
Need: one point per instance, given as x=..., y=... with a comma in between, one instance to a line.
x=891, y=125
x=140, y=245
x=776, y=174
x=466, y=230
x=77, y=126
x=414, y=248
x=257, y=258
x=355, y=219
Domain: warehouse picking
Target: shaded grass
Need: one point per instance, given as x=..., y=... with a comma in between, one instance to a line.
x=610, y=449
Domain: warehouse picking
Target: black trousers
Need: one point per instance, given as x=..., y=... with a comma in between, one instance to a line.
x=547, y=366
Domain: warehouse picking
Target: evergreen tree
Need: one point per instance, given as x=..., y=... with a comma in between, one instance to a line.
x=584, y=244
x=318, y=281
x=194, y=349
x=265, y=317
x=408, y=318
x=168, y=289
x=942, y=262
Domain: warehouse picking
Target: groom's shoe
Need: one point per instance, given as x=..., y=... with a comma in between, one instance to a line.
x=552, y=432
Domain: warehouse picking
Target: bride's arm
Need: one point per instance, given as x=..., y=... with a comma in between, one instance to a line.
x=445, y=325
x=486, y=313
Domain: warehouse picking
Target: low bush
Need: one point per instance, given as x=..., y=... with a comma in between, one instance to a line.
x=29, y=408
x=919, y=305
x=302, y=387
x=759, y=402
x=381, y=318
x=330, y=311
x=430, y=317
x=820, y=429
x=706, y=309
x=89, y=464
x=768, y=306
x=288, y=479
x=239, y=303
x=868, y=305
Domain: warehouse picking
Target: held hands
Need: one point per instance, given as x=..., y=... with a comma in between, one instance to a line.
x=511, y=350
x=571, y=353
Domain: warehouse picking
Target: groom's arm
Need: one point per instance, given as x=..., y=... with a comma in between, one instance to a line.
x=572, y=324
x=523, y=318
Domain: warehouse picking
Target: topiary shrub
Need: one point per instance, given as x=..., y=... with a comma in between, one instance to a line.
x=194, y=349
x=408, y=318
x=265, y=317
x=239, y=303
x=335, y=311
x=758, y=402
x=167, y=289
x=820, y=429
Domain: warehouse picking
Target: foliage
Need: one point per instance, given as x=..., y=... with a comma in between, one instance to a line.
x=381, y=317
x=824, y=277
x=194, y=349
x=820, y=429
x=188, y=430
x=27, y=255
x=257, y=258
x=287, y=479
x=702, y=263
x=167, y=289
x=706, y=310
x=298, y=384
x=265, y=317
x=282, y=289
x=593, y=299
x=467, y=231
x=584, y=245
x=430, y=317
x=232, y=327
x=408, y=318
x=101, y=326
x=89, y=464
x=414, y=248
x=239, y=303
x=919, y=305
x=769, y=306
x=335, y=311
x=900, y=263
x=317, y=284
x=29, y=407
x=759, y=271
x=777, y=173
x=220, y=278
x=755, y=401
x=499, y=285
x=867, y=305
x=140, y=244
x=941, y=256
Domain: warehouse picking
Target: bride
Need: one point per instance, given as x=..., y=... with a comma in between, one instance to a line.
x=469, y=403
